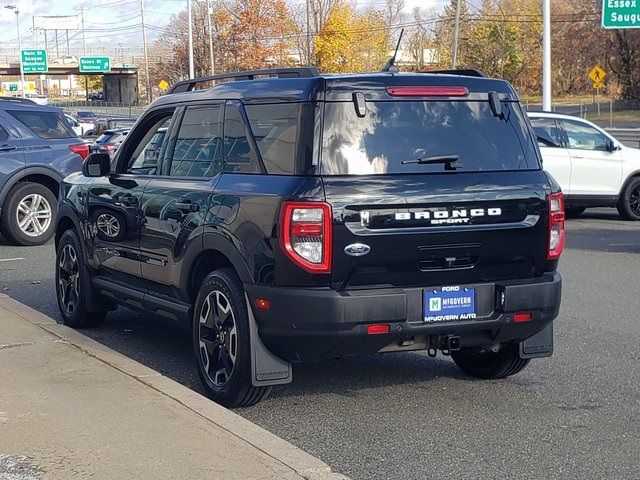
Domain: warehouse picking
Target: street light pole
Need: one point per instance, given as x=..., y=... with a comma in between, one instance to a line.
x=17, y=12
x=192, y=73
x=546, y=55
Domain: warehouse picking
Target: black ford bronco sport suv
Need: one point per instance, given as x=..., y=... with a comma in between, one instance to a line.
x=285, y=216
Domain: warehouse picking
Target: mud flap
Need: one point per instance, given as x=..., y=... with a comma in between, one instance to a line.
x=540, y=345
x=266, y=368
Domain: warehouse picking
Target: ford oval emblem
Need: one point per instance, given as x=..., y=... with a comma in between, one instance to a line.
x=357, y=249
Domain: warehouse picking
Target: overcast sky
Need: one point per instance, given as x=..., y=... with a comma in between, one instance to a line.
x=109, y=21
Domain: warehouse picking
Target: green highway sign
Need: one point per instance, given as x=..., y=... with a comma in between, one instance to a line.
x=620, y=13
x=95, y=64
x=13, y=87
x=33, y=61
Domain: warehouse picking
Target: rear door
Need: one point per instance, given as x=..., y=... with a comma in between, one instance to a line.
x=11, y=152
x=555, y=157
x=176, y=202
x=429, y=222
x=594, y=169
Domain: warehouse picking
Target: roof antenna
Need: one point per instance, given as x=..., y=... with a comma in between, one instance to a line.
x=390, y=66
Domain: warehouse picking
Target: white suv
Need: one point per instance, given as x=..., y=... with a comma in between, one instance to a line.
x=593, y=168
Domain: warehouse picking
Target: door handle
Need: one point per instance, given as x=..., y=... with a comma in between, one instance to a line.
x=129, y=200
x=577, y=156
x=187, y=206
x=7, y=148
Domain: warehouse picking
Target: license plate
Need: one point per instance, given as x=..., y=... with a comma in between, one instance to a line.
x=447, y=304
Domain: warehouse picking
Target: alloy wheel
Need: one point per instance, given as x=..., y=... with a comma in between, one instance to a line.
x=634, y=200
x=218, y=339
x=34, y=215
x=69, y=278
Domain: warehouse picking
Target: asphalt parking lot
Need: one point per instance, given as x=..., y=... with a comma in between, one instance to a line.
x=576, y=415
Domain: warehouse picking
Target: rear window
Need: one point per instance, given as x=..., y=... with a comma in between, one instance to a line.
x=547, y=132
x=395, y=132
x=283, y=134
x=44, y=124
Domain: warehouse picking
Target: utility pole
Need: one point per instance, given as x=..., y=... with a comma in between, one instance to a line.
x=456, y=33
x=146, y=56
x=546, y=55
x=212, y=61
x=308, y=37
x=192, y=73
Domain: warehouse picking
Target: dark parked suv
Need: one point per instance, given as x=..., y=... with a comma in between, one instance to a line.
x=38, y=148
x=287, y=216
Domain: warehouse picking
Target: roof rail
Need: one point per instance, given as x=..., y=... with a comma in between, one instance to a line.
x=189, y=85
x=467, y=72
x=18, y=100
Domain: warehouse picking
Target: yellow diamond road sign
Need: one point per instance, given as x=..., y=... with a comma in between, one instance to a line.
x=163, y=84
x=597, y=74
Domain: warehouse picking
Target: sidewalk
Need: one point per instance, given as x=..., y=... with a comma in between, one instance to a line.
x=70, y=407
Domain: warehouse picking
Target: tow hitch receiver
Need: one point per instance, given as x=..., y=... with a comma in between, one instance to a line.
x=448, y=343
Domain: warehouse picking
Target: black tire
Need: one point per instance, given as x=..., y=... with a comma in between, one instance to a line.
x=574, y=212
x=20, y=209
x=221, y=335
x=73, y=284
x=629, y=201
x=486, y=364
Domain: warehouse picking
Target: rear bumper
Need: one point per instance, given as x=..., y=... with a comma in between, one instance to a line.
x=311, y=324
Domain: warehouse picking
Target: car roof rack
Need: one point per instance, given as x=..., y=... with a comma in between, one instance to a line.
x=189, y=85
x=18, y=100
x=466, y=72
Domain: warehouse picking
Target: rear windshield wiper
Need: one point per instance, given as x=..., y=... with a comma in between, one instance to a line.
x=451, y=162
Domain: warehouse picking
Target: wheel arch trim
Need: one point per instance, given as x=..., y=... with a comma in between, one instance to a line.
x=216, y=244
x=633, y=175
x=26, y=172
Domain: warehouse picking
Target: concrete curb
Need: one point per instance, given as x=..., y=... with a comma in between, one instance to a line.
x=296, y=459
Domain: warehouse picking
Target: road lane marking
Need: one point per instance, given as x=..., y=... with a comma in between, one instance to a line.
x=11, y=259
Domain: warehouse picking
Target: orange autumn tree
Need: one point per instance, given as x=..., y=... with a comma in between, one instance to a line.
x=261, y=33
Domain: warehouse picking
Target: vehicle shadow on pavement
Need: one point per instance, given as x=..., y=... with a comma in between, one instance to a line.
x=168, y=350
x=354, y=376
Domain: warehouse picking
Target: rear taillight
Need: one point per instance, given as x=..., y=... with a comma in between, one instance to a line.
x=81, y=149
x=556, y=226
x=305, y=235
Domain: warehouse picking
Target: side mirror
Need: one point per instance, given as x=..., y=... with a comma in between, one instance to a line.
x=96, y=165
x=611, y=146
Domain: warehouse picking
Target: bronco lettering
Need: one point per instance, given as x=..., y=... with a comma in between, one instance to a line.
x=455, y=216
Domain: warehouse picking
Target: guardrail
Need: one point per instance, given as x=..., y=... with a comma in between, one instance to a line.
x=629, y=136
x=110, y=109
